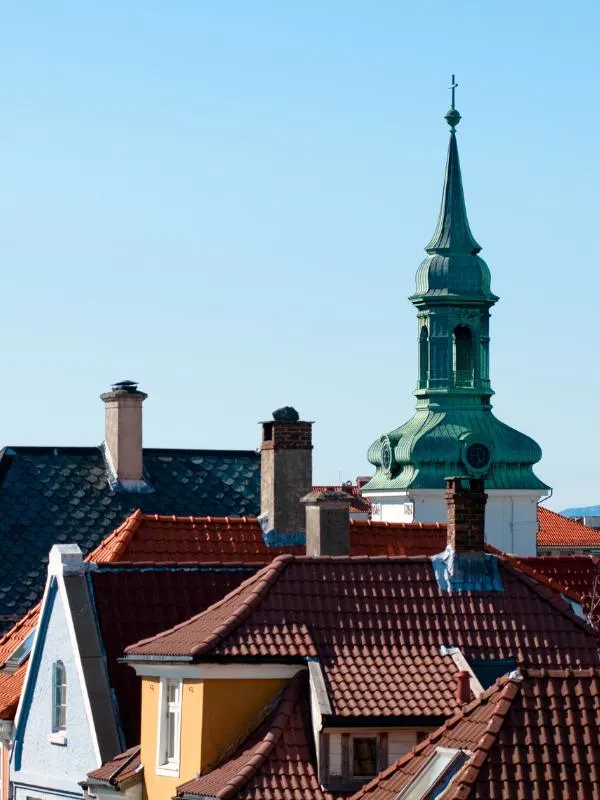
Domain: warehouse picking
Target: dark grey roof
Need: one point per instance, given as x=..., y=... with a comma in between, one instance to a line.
x=55, y=495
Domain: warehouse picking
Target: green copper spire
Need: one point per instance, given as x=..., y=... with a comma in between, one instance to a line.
x=453, y=430
x=453, y=234
x=453, y=267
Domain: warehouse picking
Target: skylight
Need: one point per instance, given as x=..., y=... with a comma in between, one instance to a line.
x=20, y=653
x=435, y=775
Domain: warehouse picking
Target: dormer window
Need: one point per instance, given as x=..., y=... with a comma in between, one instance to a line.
x=169, y=727
x=59, y=697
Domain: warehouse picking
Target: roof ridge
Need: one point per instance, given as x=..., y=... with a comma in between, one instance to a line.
x=174, y=518
x=377, y=523
x=264, y=580
x=541, y=578
x=123, y=535
x=281, y=715
x=547, y=595
x=273, y=567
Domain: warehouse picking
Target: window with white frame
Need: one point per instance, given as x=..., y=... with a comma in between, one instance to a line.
x=59, y=697
x=170, y=723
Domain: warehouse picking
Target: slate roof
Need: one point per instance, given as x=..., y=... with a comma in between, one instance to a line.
x=376, y=625
x=54, y=495
x=276, y=762
x=529, y=737
x=555, y=530
x=138, y=600
x=121, y=769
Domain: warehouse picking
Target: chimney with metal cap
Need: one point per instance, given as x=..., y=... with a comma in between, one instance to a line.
x=285, y=471
x=123, y=433
x=327, y=523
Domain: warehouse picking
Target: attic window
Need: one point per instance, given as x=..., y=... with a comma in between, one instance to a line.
x=364, y=756
x=436, y=774
x=20, y=653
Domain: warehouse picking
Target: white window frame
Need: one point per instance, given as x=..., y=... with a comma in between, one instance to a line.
x=59, y=705
x=353, y=737
x=437, y=765
x=169, y=765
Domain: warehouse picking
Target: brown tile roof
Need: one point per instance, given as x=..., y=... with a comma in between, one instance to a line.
x=276, y=761
x=529, y=737
x=377, y=626
x=558, y=531
x=119, y=770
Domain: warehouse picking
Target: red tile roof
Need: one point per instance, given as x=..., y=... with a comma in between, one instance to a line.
x=275, y=762
x=558, y=531
x=528, y=738
x=151, y=537
x=119, y=770
x=11, y=682
x=377, y=626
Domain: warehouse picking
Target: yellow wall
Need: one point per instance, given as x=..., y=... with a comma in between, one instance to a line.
x=215, y=714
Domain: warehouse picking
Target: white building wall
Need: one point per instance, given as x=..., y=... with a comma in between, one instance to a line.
x=511, y=522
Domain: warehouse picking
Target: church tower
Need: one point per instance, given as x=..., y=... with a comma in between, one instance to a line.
x=453, y=431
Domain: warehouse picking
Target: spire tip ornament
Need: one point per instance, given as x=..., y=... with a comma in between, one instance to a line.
x=453, y=117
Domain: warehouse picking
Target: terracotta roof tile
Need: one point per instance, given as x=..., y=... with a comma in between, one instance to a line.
x=531, y=737
x=558, y=531
x=120, y=769
x=377, y=626
x=276, y=761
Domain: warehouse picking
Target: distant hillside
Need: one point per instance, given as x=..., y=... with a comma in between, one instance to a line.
x=584, y=511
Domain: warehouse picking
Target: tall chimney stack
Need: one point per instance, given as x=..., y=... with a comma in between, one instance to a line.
x=285, y=471
x=466, y=501
x=123, y=433
x=327, y=523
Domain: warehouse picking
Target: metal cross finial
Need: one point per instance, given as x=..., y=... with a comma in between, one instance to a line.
x=453, y=88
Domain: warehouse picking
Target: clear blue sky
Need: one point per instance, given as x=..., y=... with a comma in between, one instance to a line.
x=228, y=201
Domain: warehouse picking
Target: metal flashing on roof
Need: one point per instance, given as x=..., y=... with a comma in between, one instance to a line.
x=467, y=572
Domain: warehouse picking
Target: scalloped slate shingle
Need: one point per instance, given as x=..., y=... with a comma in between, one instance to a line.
x=54, y=495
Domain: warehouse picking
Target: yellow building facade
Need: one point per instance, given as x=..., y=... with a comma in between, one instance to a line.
x=214, y=714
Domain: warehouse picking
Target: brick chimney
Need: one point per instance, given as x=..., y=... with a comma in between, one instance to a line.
x=327, y=523
x=466, y=501
x=285, y=471
x=123, y=433
x=463, y=687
